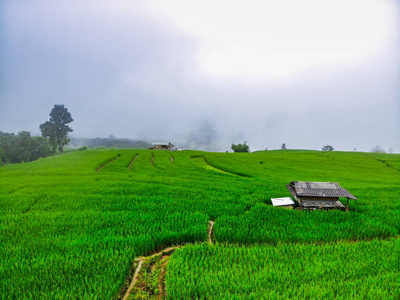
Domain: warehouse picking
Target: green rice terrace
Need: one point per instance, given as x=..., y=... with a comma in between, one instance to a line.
x=142, y=224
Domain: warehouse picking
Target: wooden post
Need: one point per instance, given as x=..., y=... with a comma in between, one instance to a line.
x=347, y=206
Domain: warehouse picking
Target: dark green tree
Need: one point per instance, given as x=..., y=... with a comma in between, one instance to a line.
x=3, y=157
x=283, y=147
x=240, y=147
x=22, y=147
x=5, y=146
x=56, y=130
x=327, y=148
x=40, y=147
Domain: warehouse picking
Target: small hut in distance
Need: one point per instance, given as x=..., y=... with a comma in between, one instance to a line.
x=162, y=146
x=319, y=195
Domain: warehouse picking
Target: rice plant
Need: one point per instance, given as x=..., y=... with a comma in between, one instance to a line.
x=343, y=270
x=67, y=231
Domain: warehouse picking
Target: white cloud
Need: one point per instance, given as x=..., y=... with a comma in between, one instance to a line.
x=279, y=39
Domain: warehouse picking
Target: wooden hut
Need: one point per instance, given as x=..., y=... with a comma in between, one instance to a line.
x=319, y=195
x=162, y=146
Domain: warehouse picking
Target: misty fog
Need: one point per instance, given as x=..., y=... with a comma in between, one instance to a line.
x=143, y=71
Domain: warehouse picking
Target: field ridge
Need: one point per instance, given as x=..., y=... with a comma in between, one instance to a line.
x=111, y=160
x=133, y=160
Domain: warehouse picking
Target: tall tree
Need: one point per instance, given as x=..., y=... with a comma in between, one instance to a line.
x=56, y=130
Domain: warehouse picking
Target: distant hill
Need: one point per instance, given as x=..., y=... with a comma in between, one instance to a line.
x=111, y=142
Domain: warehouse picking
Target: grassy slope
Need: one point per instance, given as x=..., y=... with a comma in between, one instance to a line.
x=376, y=185
x=68, y=231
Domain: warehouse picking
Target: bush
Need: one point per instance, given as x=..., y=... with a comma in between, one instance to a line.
x=240, y=147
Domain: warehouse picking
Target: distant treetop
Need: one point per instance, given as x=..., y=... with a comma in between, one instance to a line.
x=240, y=147
x=328, y=148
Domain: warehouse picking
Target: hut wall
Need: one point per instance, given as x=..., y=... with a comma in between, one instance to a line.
x=318, y=198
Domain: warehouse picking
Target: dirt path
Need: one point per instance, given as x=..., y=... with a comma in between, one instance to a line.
x=166, y=254
x=141, y=260
x=133, y=160
x=134, y=279
x=161, y=278
x=210, y=231
x=159, y=253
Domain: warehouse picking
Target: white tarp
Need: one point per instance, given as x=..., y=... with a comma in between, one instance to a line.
x=282, y=201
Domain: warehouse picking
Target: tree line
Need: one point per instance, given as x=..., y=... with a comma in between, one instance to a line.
x=23, y=147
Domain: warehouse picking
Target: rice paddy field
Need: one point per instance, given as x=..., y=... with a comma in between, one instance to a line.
x=72, y=225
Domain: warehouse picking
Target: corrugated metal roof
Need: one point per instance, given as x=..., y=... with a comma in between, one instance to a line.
x=320, y=189
x=348, y=194
x=160, y=143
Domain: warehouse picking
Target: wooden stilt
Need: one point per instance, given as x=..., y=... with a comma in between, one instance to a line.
x=347, y=206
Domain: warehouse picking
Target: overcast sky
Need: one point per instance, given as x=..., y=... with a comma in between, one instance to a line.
x=206, y=74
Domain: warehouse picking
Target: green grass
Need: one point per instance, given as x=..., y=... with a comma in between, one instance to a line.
x=67, y=231
x=364, y=270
